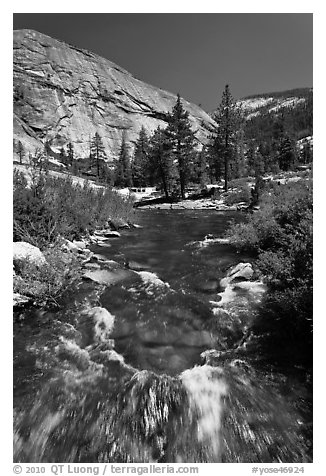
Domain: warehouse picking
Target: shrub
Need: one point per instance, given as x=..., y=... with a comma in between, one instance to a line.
x=51, y=207
x=240, y=195
x=280, y=234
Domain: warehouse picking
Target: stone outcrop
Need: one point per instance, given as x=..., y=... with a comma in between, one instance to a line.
x=63, y=93
x=109, y=277
x=240, y=272
x=23, y=251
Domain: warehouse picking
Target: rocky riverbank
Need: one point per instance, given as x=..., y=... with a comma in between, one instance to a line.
x=40, y=278
x=198, y=204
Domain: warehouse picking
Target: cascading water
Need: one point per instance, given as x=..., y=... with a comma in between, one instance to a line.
x=154, y=368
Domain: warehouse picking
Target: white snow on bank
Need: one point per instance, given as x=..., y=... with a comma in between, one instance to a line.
x=27, y=171
x=57, y=162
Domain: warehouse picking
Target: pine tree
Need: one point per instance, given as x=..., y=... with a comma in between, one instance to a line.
x=106, y=174
x=97, y=152
x=140, y=164
x=62, y=156
x=215, y=158
x=237, y=164
x=200, y=168
x=161, y=160
x=287, y=154
x=70, y=154
x=20, y=152
x=122, y=171
x=181, y=140
x=306, y=153
x=228, y=120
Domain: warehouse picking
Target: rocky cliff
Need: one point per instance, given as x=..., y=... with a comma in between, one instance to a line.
x=62, y=94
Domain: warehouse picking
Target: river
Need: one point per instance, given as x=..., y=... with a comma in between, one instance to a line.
x=148, y=390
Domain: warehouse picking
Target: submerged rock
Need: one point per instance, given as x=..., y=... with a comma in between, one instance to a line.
x=208, y=286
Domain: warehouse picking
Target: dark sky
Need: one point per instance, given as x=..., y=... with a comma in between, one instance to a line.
x=194, y=54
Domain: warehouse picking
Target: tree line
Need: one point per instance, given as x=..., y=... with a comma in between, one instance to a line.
x=172, y=159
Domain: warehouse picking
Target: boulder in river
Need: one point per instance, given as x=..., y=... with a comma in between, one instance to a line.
x=104, y=322
x=240, y=272
x=19, y=299
x=81, y=245
x=118, y=223
x=23, y=251
x=106, y=234
x=74, y=246
x=135, y=266
x=92, y=266
x=109, y=277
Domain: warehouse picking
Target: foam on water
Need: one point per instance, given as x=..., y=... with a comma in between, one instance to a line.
x=209, y=241
x=104, y=323
x=152, y=282
x=206, y=389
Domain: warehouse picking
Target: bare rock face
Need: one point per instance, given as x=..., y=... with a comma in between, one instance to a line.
x=64, y=94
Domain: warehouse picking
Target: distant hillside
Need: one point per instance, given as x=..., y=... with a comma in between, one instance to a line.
x=291, y=110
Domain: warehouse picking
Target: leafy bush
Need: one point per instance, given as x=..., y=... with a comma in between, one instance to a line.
x=50, y=207
x=240, y=195
x=280, y=234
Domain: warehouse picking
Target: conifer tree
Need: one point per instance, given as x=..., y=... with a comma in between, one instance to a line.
x=161, y=160
x=97, y=152
x=62, y=156
x=200, y=168
x=228, y=119
x=181, y=141
x=287, y=154
x=215, y=158
x=140, y=164
x=70, y=154
x=306, y=153
x=20, y=152
x=122, y=171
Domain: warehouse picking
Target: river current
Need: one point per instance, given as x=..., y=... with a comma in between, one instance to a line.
x=164, y=376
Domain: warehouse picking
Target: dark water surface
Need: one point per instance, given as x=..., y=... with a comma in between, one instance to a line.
x=145, y=393
x=162, y=328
